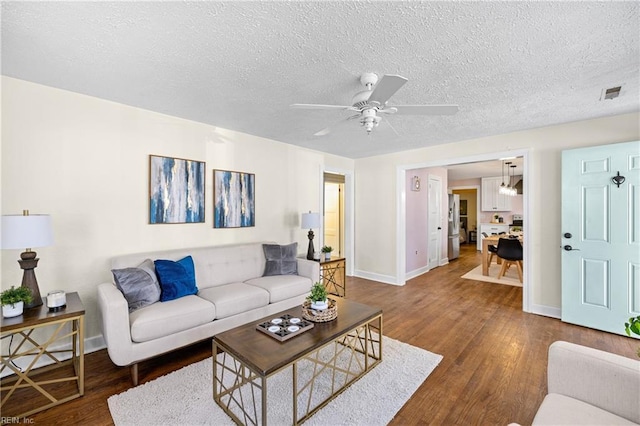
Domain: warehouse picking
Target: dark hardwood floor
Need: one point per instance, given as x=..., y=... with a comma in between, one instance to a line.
x=494, y=365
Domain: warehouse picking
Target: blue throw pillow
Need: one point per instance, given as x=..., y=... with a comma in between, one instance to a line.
x=177, y=279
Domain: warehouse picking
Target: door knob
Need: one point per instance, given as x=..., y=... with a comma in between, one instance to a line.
x=569, y=248
x=568, y=235
x=439, y=228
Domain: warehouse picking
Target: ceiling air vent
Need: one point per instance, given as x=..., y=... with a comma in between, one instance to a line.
x=611, y=93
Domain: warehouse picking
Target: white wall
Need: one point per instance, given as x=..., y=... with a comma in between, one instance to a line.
x=85, y=161
x=417, y=220
x=417, y=240
x=377, y=192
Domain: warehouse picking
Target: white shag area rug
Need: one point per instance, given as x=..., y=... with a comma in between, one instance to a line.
x=185, y=397
x=509, y=278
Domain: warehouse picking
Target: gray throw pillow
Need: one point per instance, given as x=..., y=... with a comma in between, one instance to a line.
x=281, y=260
x=139, y=285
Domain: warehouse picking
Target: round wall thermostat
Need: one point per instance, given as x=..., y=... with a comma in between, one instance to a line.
x=56, y=300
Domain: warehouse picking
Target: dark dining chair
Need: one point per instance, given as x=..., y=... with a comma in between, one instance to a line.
x=493, y=250
x=510, y=251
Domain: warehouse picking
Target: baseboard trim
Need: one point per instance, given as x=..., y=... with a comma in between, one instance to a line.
x=386, y=279
x=417, y=272
x=547, y=311
x=93, y=344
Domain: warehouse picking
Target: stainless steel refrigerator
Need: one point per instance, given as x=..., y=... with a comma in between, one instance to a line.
x=453, y=232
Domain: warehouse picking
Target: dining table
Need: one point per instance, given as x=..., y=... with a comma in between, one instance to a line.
x=486, y=242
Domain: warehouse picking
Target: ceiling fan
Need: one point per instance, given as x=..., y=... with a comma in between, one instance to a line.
x=371, y=103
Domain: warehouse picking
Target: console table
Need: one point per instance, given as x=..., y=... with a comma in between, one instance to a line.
x=333, y=275
x=41, y=337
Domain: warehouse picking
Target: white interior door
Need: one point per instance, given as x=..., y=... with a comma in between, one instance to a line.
x=435, y=221
x=601, y=236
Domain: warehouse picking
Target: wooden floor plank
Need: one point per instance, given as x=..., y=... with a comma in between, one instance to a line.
x=495, y=355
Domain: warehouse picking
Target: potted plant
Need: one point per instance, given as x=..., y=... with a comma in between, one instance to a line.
x=318, y=297
x=13, y=300
x=633, y=326
x=327, y=252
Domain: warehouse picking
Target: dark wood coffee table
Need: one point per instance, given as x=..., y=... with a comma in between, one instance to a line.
x=324, y=360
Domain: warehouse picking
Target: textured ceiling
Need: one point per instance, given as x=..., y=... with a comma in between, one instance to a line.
x=239, y=65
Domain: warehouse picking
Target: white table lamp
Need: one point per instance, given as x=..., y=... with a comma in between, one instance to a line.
x=310, y=221
x=26, y=232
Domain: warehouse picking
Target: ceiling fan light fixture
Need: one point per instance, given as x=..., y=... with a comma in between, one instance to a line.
x=368, y=80
x=361, y=99
x=375, y=98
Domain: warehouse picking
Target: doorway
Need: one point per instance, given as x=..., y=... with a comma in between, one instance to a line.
x=334, y=215
x=401, y=194
x=469, y=213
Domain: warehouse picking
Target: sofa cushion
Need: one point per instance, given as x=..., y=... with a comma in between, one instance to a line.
x=138, y=285
x=164, y=319
x=235, y=298
x=281, y=260
x=177, y=279
x=559, y=409
x=281, y=287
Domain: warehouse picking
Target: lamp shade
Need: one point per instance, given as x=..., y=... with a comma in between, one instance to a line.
x=310, y=220
x=22, y=232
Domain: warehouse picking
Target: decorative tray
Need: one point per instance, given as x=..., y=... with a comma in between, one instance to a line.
x=284, y=327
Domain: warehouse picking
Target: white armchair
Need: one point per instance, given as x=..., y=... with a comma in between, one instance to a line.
x=589, y=386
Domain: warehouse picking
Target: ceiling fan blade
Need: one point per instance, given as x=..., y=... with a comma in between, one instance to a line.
x=323, y=132
x=386, y=87
x=426, y=109
x=387, y=123
x=327, y=130
x=317, y=106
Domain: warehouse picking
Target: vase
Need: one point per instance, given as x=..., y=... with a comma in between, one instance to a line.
x=320, y=305
x=327, y=256
x=10, y=311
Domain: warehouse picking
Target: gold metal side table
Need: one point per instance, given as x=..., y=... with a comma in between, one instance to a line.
x=59, y=381
x=333, y=275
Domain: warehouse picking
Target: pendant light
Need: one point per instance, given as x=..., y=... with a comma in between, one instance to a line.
x=512, y=189
x=503, y=188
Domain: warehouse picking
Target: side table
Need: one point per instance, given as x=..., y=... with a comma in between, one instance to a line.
x=59, y=381
x=333, y=276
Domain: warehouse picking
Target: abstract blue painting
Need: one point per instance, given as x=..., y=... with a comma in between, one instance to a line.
x=176, y=190
x=234, y=199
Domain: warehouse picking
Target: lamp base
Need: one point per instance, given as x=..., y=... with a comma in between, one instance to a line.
x=310, y=249
x=28, y=263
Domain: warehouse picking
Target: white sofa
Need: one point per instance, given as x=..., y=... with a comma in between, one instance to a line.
x=231, y=291
x=587, y=386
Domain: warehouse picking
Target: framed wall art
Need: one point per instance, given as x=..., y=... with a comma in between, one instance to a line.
x=234, y=199
x=176, y=190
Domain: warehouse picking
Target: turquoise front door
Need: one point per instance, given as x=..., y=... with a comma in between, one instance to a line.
x=600, y=241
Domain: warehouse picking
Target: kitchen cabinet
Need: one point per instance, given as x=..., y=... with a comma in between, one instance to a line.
x=492, y=199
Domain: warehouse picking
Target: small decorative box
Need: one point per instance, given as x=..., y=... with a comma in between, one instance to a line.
x=284, y=327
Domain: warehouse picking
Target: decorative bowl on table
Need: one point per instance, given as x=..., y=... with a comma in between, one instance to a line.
x=320, y=315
